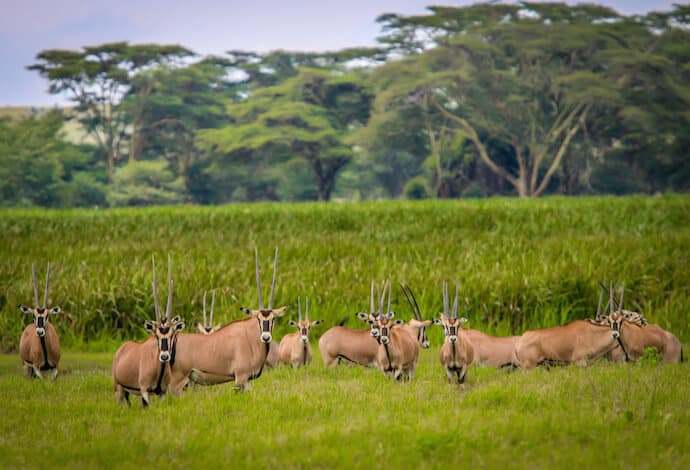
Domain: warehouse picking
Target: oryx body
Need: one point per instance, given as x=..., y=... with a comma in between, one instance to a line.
x=294, y=348
x=495, y=351
x=143, y=367
x=39, y=346
x=237, y=351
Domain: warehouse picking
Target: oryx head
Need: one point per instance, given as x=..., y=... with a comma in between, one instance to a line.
x=265, y=316
x=449, y=319
x=372, y=318
x=385, y=317
x=40, y=314
x=304, y=325
x=615, y=317
x=164, y=329
x=418, y=322
x=207, y=327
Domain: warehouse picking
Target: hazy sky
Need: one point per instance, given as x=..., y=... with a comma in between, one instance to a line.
x=205, y=26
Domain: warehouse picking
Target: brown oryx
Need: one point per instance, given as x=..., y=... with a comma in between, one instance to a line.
x=143, y=367
x=357, y=346
x=398, y=346
x=578, y=342
x=237, y=351
x=294, y=348
x=457, y=352
x=39, y=346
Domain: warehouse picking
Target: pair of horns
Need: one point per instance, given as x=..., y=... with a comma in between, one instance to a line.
x=213, y=303
x=258, y=279
x=299, y=309
x=168, y=307
x=412, y=300
x=611, y=303
x=382, y=298
x=45, y=293
x=446, y=305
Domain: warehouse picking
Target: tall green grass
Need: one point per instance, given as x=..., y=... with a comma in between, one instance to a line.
x=522, y=264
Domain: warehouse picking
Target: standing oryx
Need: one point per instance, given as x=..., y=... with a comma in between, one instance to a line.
x=237, y=351
x=39, y=347
x=398, y=346
x=294, y=348
x=207, y=327
x=143, y=367
x=457, y=352
x=357, y=346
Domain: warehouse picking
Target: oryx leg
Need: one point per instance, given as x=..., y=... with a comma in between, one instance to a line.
x=145, y=398
x=242, y=382
x=462, y=373
x=451, y=375
x=329, y=361
x=54, y=374
x=38, y=372
x=28, y=370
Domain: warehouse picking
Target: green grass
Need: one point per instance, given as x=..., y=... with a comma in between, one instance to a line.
x=605, y=416
x=522, y=264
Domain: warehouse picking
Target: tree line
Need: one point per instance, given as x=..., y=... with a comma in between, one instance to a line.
x=523, y=99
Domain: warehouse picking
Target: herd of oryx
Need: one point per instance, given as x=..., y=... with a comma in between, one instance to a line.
x=170, y=359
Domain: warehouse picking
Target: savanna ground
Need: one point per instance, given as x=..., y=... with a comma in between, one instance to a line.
x=522, y=264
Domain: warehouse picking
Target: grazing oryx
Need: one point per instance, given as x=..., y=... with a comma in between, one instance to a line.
x=457, y=352
x=294, y=348
x=143, y=367
x=357, y=346
x=398, y=346
x=207, y=327
x=237, y=351
x=39, y=346
x=579, y=342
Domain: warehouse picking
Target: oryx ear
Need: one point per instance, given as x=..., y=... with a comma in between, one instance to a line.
x=176, y=319
x=25, y=309
x=148, y=324
x=390, y=315
x=427, y=322
x=200, y=327
x=179, y=326
x=362, y=316
x=462, y=321
x=399, y=322
x=247, y=311
x=436, y=321
x=316, y=323
x=55, y=310
x=279, y=312
x=293, y=324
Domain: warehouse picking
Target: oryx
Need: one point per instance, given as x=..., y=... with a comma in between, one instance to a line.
x=294, y=348
x=457, y=352
x=237, y=351
x=143, y=367
x=39, y=346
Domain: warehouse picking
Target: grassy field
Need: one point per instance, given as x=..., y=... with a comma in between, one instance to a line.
x=522, y=264
x=605, y=416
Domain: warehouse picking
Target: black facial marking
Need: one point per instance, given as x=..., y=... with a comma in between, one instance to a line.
x=266, y=325
x=40, y=310
x=164, y=330
x=40, y=322
x=265, y=313
x=164, y=344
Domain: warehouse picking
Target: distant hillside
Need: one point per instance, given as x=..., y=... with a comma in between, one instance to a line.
x=74, y=132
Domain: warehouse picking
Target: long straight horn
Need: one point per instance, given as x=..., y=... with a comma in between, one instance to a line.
x=299, y=309
x=33, y=278
x=205, y=323
x=273, y=284
x=258, y=278
x=382, y=299
x=456, y=301
x=168, y=306
x=620, y=305
x=611, y=297
x=418, y=312
x=213, y=305
x=306, y=313
x=156, y=307
x=601, y=297
x=390, y=296
x=373, y=302
x=45, y=294
x=446, y=307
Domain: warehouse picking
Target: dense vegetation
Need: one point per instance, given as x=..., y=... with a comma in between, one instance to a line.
x=521, y=99
x=521, y=263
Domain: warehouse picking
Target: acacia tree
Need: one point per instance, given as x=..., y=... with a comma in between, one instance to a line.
x=96, y=79
x=305, y=117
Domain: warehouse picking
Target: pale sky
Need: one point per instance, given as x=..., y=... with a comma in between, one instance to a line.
x=205, y=26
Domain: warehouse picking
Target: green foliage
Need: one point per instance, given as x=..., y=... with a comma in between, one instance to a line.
x=522, y=264
x=417, y=188
x=351, y=417
x=146, y=183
